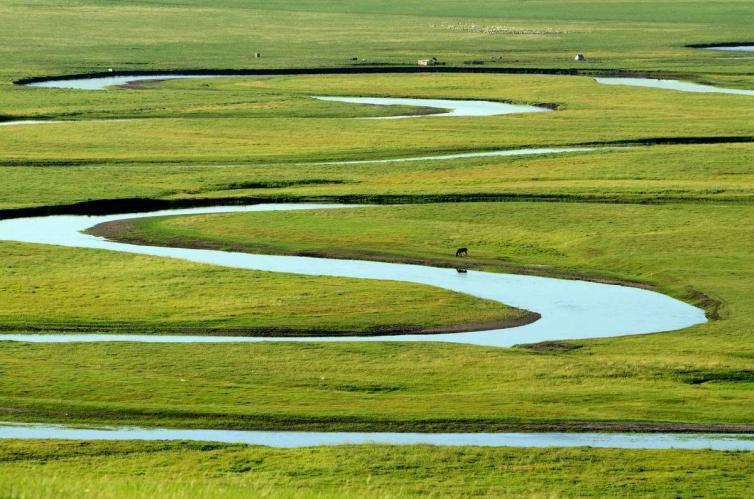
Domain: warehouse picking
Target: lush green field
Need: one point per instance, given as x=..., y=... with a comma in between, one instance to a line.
x=698, y=375
x=86, y=35
x=217, y=150
x=177, y=470
x=655, y=174
x=47, y=288
x=673, y=213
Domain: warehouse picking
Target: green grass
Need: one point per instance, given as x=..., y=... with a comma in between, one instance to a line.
x=229, y=124
x=204, y=33
x=648, y=378
x=177, y=470
x=244, y=131
x=43, y=287
x=659, y=245
x=683, y=227
x=629, y=383
x=655, y=174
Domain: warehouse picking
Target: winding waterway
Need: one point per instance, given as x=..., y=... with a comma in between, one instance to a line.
x=466, y=155
x=28, y=122
x=453, y=107
x=292, y=439
x=468, y=108
x=733, y=48
x=569, y=309
x=681, y=86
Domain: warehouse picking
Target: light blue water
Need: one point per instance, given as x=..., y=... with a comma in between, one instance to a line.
x=453, y=107
x=681, y=86
x=570, y=309
x=109, y=81
x=733, y=48
x=483, y=154
x=28, y=122
x=290, y=439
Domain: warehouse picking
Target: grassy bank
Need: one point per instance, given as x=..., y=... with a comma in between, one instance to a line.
x=231, y=138
x=227, y=33
x=251, y=120
x=176, y=470
x=658, y=245
x=684, y=228
x=699, y=375
x=695, y=173
x=49, y=288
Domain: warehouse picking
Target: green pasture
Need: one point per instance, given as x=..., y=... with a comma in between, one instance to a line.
x=220, y=132
x=42, y=37
x=644, y=174
x=178, y=470
x=664, y=203
x=44, y=287
x=699, y=253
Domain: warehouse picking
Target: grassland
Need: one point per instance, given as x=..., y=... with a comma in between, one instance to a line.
x=674, y=216
x=177, y=470
x=46, y=288
x=700, y=375
x=208, y=34
x=213, y=151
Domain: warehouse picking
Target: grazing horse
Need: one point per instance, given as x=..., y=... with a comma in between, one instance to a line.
x=462, y=252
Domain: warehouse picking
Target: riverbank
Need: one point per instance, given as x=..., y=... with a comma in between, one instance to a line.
x=114, y=469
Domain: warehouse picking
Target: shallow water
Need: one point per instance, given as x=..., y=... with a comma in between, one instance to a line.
x=454, y=107
x=27, y=122
x=570, y=309
x=109, y=81
x=291, y=439
x=483, y=154
x=681, y=86
x=733, y=48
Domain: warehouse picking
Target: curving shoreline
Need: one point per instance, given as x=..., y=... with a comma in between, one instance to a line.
x=299, y=439
x=569, y=309
x=296, y=439
x=334, y=71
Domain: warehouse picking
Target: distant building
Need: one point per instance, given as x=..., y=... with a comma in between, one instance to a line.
x=427, y=62
x=580, y=57
x=257, y=54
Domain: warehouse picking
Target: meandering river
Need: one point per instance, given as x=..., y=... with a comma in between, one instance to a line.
x=291, y=439
x=569, y=309
x=455, y=107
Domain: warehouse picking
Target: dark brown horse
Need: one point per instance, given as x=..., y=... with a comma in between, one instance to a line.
x=462, y=252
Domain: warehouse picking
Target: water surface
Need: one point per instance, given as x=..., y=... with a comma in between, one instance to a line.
x=101, y=83
x=570, y=309
x=733, y=48
x=453, y=107
x=681, y=86
x=291, y=439
x=28, y=122
x=482, y=154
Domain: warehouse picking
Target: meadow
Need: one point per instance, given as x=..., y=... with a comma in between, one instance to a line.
x=178, y=470
x=700, y=375
x=663, y=202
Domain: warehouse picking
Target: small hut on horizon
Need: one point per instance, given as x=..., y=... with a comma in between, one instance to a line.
x=427, y=62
